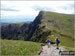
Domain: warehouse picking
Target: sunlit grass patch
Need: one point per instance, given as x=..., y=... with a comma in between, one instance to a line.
x=17, y=47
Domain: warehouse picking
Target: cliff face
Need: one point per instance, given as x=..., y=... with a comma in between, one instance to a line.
x=47, y=25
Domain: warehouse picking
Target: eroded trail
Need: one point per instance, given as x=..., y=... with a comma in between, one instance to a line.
x=52, y=51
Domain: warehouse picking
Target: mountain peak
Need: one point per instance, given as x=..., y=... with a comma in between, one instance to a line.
x=47, y=25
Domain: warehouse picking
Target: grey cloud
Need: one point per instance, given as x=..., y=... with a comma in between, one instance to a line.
x=68, y=7
x=7, y=8
x=40, y=8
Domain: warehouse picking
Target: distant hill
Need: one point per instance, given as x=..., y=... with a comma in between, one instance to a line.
x=47, y=25
x=3, y=24
x=15, y=31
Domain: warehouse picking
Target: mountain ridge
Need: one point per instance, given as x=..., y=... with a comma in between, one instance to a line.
x=47, y=25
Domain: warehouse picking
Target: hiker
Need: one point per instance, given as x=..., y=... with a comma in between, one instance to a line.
x=48, y=42
x=57, y=43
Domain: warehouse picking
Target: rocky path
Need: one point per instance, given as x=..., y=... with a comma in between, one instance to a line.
x=52, y=51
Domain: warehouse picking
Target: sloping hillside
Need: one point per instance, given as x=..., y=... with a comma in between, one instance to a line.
x=16, y=31
x=47, y=25
x=18, y=47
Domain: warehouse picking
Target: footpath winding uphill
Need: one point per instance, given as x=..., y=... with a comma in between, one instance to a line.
x=52, y=51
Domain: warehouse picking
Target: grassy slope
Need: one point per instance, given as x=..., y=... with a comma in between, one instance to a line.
x=64, y=25
x=59, y=23
x=17, y=47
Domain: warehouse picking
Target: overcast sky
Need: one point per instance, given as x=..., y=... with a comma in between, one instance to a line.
x=19, y=11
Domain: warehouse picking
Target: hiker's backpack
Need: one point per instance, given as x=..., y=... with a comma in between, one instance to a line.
x=58, y=41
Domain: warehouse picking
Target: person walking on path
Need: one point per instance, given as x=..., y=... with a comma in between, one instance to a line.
x=48, y=43
x=57, y=43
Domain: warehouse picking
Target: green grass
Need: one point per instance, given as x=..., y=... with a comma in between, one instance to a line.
x=17, y=47
x=60, y=23
x=67, y=42
x=69, y=48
